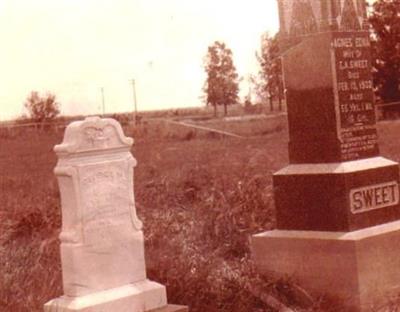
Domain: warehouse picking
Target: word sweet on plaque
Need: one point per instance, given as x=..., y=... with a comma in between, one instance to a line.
x=374, y=197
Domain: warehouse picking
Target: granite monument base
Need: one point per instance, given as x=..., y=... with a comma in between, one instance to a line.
x=339, y=197
x=359, y=268
x=139, y=297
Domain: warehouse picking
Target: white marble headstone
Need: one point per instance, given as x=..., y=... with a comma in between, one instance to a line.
x=102, y=246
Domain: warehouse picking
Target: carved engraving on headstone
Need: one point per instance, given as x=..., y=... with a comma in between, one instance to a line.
x=107, y=208
x=102, y=245
x=95, y=134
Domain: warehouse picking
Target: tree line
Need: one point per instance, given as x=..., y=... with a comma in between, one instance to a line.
x=221, y=87
x=385, y=39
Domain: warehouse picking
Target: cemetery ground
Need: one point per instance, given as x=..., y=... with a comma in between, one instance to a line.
x=200, y=196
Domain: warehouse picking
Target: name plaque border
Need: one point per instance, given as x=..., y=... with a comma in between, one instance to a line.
x=396, y=201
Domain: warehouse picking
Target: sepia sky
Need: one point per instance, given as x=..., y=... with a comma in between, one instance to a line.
x=73, y=48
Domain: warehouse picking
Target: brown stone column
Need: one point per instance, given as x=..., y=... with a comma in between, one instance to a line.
x=337, y=194
x=331, y=113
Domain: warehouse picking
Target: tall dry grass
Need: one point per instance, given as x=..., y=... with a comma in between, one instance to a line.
x=200, y=197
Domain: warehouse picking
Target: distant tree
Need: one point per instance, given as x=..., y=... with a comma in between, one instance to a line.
x=42, y=108
x=269, y=83
x=221, y=86
x=385, y=21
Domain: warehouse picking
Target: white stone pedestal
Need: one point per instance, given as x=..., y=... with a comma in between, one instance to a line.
x=360, y=268
x=102, y=243
x=139, y=297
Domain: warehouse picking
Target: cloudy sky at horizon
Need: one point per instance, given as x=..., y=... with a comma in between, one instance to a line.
x=73, y=48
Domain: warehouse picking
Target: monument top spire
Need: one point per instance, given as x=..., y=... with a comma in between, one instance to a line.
x=304, y=17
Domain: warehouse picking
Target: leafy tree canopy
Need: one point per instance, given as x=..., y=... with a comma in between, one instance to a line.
x=385, y=21
x=42, y=108
x=221, y=86
x=269, y=83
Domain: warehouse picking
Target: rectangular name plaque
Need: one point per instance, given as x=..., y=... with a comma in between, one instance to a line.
x=374, y=197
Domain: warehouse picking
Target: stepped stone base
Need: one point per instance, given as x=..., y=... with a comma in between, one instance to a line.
x=359, y=268
x=331, y=197
x=139, y=297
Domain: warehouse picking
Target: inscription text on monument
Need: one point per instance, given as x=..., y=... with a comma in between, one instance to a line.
x=354, y=95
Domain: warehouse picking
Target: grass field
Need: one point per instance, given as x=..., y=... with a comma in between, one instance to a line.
x=200, y=195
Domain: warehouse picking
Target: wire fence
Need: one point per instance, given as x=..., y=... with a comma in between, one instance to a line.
x=382, y=111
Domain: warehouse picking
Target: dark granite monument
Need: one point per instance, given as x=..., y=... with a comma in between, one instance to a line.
x=337, y=202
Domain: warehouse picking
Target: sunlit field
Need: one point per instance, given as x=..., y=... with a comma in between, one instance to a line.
x=200, y=195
